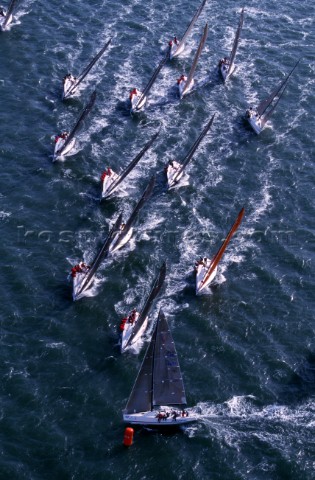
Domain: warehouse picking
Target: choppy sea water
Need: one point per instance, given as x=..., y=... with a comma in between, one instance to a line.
x=247, y=348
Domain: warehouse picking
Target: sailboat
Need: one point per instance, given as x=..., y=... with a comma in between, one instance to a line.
x=6, y=17
x=137, y=98
x=174, y=170
x=83, y=275
x=65, y=142
x=177, y=47
x=185, y=84
x=205, y=268
x=226, y=65
x=135, y=324
x=111, y=180
x=71, y=83
x=158, y=396
x=258, y=118
x=125, y=230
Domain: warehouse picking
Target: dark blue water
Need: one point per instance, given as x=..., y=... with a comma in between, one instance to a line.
x=247, y=348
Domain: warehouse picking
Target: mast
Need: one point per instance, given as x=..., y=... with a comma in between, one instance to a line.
x=221, y=250
x=197, y=55
x=86, y=70
x=156, y=287
x=132, y=164
x=83, y=115
x=262, y=107
x=145, y=196
x=193, y=21
x=100, y=256
x=154, y=77
x=236, y=40
x=9, y=13
x=192, y=150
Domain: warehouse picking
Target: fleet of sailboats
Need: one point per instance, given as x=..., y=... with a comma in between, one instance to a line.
x=158, y=396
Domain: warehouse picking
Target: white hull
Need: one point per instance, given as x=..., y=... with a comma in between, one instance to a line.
x=200, y=273
x=59, y=145
x=77, y=282
x=134, y=103
x=224, y=71
x=176, y=50
x=116, y=246
x=181, y=88
x=2, y=20
x=128, y=331
x=171, y=172
x=150, y=419
x=107, y=183
x=67, y=86
x=255, y=124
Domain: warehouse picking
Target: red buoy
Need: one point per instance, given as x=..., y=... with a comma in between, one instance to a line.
x=128, y=437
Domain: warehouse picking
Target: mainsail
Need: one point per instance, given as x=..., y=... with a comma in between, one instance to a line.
x=83, y=115
x=9, y=13
x=100, y=256
x=262, y=107
x=221, y=250
x=168, y=386
x=197, y=55
x=146, y=194
x=157, y=285
x=131, y=165
x=140, y=399
x=153, y=78
x=192, y=150
x=236, y=40
x=193, y=21
x=84, y=73
x=159, y=381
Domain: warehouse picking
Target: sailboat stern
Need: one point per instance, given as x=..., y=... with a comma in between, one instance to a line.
x=182, y=82
x=201, y=268
x=78, y=280
x=5, y=24
x=171, y=171
x=137, y=103
x=59, y=152
x=128, y=328
x=68, y=87
x=254, y=121
x=108, y=178
x=225, y=70
x=118, y=241
x=176, y=49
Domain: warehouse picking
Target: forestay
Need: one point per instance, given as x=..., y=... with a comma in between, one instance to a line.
x=84, y=73
x=194, y=64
